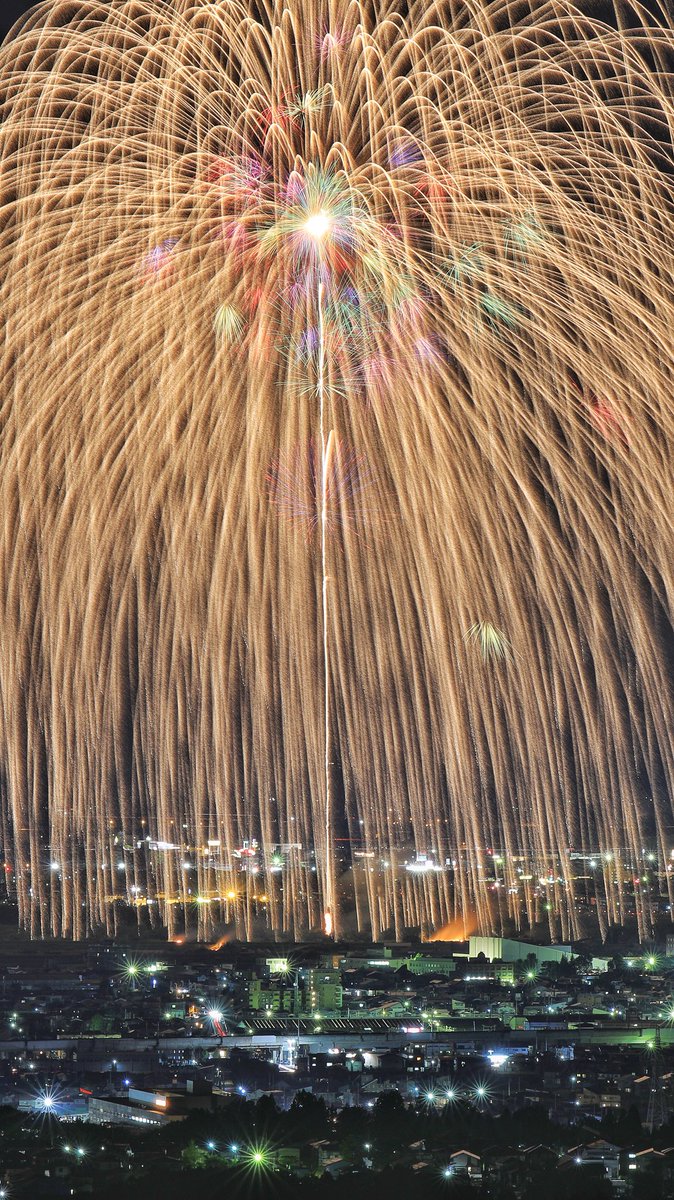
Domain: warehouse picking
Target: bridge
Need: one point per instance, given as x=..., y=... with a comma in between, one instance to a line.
x=108, y=1051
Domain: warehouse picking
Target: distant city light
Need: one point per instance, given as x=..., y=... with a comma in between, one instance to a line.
x=497, y=1060
x=47, y=1099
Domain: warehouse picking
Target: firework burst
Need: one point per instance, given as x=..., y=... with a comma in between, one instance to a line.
x=428, y=252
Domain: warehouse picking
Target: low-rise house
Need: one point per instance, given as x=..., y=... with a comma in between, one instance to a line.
x=597, y=1153
x=465, y=1162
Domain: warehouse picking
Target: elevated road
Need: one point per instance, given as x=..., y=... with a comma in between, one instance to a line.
x=107, y=1049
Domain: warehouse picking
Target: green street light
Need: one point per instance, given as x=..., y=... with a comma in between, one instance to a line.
x=257, y=1158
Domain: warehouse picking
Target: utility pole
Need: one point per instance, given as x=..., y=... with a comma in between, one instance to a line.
x=658, y=1109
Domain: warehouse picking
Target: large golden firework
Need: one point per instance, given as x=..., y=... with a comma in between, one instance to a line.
x=336, y=461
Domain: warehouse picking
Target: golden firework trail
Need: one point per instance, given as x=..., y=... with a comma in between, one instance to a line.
x=247, y=244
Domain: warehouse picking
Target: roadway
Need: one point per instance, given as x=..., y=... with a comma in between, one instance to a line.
x=108, y=1049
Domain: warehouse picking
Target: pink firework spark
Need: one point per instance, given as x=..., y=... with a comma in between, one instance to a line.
x=295, y=482
x=238, y=178
x=158, y=262
x=602, y=412
x=332, y=42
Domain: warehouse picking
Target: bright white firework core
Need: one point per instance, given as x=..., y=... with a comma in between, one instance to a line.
x=317, y=225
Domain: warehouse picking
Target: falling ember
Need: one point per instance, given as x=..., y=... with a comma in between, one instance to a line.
x=221, y=941
x=458, y=930
x=407, y=294
x=327, y=923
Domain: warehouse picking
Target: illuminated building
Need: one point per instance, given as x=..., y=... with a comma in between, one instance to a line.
x=163, y=1106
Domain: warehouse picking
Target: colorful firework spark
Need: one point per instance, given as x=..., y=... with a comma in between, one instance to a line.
x=296, y=482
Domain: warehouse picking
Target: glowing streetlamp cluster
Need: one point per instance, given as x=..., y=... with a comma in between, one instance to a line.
x=476, y=1094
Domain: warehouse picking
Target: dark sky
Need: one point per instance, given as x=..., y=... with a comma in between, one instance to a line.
x=10, y=11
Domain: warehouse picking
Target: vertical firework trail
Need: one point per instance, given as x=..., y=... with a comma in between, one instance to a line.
x=330, y=899
x=336, y=445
